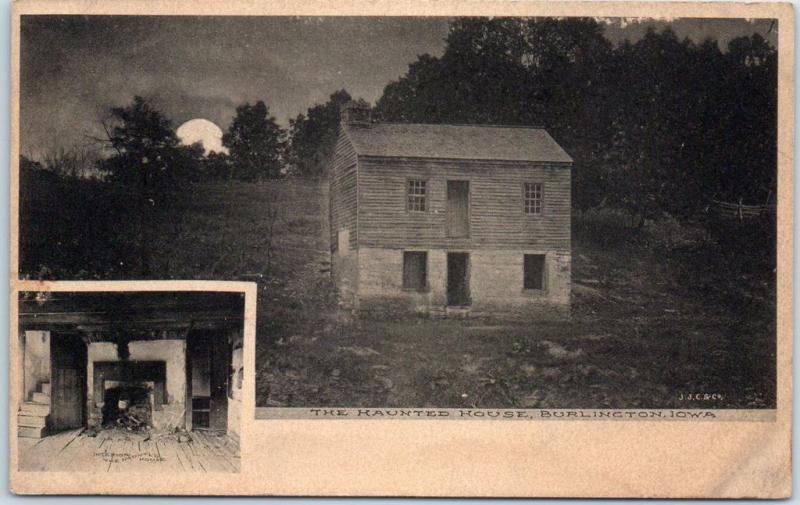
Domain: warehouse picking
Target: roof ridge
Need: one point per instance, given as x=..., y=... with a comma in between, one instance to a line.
x=442, y=140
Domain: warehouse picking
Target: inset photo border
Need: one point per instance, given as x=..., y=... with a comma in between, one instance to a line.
x=131, y=377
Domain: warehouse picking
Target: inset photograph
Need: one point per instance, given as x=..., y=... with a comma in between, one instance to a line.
x=130, y=381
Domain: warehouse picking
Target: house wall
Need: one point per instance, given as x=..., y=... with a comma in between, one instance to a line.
x=500, y=234
x=495, y=279
x=37, y=361
x=344, y=270
x=343, y=195
x=173, y=352
x=381, y=282
x=497, y=218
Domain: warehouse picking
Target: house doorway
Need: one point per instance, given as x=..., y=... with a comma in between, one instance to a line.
x=458, y=209
x=208, y=358
x=68, y=377
x=458, y=279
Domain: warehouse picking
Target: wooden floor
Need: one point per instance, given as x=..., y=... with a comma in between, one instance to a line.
x=121, y=451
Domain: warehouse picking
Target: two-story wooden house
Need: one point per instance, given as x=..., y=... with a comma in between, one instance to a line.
x=432, y=218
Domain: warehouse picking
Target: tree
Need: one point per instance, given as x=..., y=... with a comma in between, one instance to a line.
x=217, y=166
x=693, y=124
x=74, y=162
x=313, y=136
x=149, y=163
x=654, y=125
x=750, y=120
x=256, y=143
x=146, y=151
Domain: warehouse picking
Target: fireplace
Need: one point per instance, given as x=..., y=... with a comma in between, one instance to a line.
x=128, y=405
x=164, y=384
x=145, y=390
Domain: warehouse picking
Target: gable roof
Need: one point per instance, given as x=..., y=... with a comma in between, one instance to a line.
x=461, y=142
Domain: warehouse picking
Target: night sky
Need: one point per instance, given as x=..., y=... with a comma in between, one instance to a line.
x=73, y=68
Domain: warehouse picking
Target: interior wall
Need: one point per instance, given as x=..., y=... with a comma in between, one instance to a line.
x=173, y=352
x=235, y=388
x=37, y=361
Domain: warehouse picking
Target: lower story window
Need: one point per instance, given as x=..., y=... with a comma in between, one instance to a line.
x=533, y=271
x=415, y=270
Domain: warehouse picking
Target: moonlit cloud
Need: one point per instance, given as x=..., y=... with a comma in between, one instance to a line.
x=202, y=131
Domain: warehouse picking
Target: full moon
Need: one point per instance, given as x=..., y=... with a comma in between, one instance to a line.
x=203, y=131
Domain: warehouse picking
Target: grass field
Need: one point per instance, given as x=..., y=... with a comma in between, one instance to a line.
x=650, y=322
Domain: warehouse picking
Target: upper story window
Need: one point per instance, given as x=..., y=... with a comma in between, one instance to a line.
x=417, y=195
x=532, y=198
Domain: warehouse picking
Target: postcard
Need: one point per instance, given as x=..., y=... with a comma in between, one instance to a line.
x=401, y=249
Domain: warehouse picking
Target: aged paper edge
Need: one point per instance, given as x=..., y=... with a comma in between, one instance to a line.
x=756, y=464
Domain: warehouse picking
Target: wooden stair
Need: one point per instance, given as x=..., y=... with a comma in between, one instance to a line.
x=32, y=415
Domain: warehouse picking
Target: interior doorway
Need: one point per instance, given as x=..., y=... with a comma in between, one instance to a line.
x=208, y=359
x=68, y=381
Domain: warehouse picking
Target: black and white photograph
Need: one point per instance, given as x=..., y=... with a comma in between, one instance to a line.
x=130, y=382
x=439, y=212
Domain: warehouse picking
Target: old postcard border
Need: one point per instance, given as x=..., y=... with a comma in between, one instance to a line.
x=558, y=458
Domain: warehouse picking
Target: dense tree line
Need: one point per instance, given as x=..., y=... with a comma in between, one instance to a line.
x=659, y=125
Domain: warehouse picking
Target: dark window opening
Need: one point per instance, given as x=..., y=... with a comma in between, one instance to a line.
x=415, y=270
x=534, y=271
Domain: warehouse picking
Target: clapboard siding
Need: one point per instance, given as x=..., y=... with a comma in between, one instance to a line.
x=343, y=192
x=497, y=218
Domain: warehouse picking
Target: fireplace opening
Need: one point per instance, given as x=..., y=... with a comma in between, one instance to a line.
x=128, y=394
x=128, y=406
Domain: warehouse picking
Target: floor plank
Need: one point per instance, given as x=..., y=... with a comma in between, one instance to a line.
x=121, y=451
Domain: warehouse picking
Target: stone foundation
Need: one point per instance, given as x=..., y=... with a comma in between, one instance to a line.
x=495, y=280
